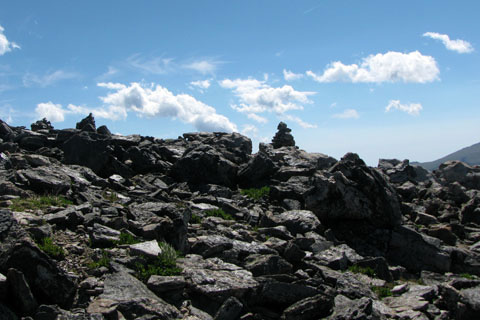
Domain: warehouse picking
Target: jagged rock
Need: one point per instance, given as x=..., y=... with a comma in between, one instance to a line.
x=351, y=190
x=69, y=217
x=349, y=285
x=318, y=306
x=297, y=221
x=47, y=282
x=132, y=298
x=31, y=140
x=166, y=284
x=213, y=281
x=204, y=164
x=283, y=137
x=282, y=294
x=43, y=124
x=457, y=171
x=230, y=310
x=358, y=309
x=267, y=264
x=149, y=248
x=471, y=211
x=418, y=252
x=104, y=130
x=103, y=236
x=257, y=171
x=21, y=296
x=87, y=124
x=338, y=257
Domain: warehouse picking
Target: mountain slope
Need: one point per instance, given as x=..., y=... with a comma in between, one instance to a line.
x=470, y=155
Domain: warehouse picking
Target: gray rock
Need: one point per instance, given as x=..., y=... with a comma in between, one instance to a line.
x=231, y=309
x=22, y=297
x=3, y=287
x=285, y=294
x=267, y=264
x=349, y=285
x=457, y=171
x=297, y=221
x=318, y=306
x=148, y=248
x=283, y=137
x=133, y=299
x=165, y=284
x=338, y=257
x=69, y=217
x=46, y=179
x=103, y=236
x=345, y=308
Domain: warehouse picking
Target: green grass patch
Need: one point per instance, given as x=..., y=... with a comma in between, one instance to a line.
x=165, y=264
x=54, y=251
x=104, y=261
x=218, y=213
x=467, y=276
x=195, y=219
x=109, y=195
x=39, y=202
x=382, y=292
x=256, y=194
x=363, y=270
x=126, y=238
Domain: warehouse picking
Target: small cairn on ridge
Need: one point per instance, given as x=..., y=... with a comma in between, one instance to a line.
x=283, y=137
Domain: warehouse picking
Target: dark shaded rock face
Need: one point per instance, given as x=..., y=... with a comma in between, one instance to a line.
x=95, y=225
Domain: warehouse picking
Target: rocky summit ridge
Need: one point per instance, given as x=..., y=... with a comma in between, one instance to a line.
x=101, y=226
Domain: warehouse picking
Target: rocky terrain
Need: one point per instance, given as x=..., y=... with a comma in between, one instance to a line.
x=469, y=155
x=101, y=226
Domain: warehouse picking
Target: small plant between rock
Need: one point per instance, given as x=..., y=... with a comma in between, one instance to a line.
x=218, y=213
x=256, y=193
x=104, y=261
x=363, y=270
x=54, y=251
x=165, y=264
x=382, y=292
x=126, y=238
x=39, y=202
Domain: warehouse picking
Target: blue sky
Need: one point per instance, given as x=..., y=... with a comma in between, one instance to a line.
x=381, y=78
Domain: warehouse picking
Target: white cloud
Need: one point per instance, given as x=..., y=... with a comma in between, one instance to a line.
x=204, y=66
x=389, y=67
x=257, y=118
x=157, y=65
x=51, y=111
x=347, y=114
x=156, y=101
x=458, y=45
x=411, y=108
x=256, y=96
x=5, y=44
x=300, y=122
x=290, y=76
x=109, y=73
x=201, y=84
x=250, y=130
x=48, y=79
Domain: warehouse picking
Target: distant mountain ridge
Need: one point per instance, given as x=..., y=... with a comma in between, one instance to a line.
x=469, y=155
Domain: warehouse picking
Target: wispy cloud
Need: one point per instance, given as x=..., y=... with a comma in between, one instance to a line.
x=410, y=108
x=108, y=74
x=155, y=65
x=458, y=45
x=347, y=114
x=205, y=66
x=389, y=67
x=5, y=44
x=300, y=122
x=48, y=79
x=290, y=76
x=200, y=85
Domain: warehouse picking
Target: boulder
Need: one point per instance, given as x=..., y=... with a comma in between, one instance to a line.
x=87, y=124
x=43, y=124
x=283, y=137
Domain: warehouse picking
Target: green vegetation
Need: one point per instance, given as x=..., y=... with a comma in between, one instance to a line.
x=111, y=196
x=467, y=276
x=382, y=292
x=54, y=251
x=364, y=270
x=256, y=194
x=165, y=264
x=39, y=202
x=104, y=261
x=195, y=219
x=126, y=238
x=218, y=213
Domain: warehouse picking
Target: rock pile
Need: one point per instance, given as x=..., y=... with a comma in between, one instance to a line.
x=90, y=222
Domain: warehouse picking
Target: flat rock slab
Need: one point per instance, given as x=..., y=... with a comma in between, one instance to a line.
x=148, y=248
x=132, y=298
x=215, y=279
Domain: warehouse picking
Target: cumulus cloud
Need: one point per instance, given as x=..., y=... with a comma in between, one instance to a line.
x=411, y=108
x=347, y=114
x=256, y=96
x=203, y=66
x=250, y=130
x=290, y=76
x=47, y=79
x=51, y=111
x=200, y=85
x=389, y=67
x=458, y=45
x=5, y=44
x=157, y=101
x=156, y=65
